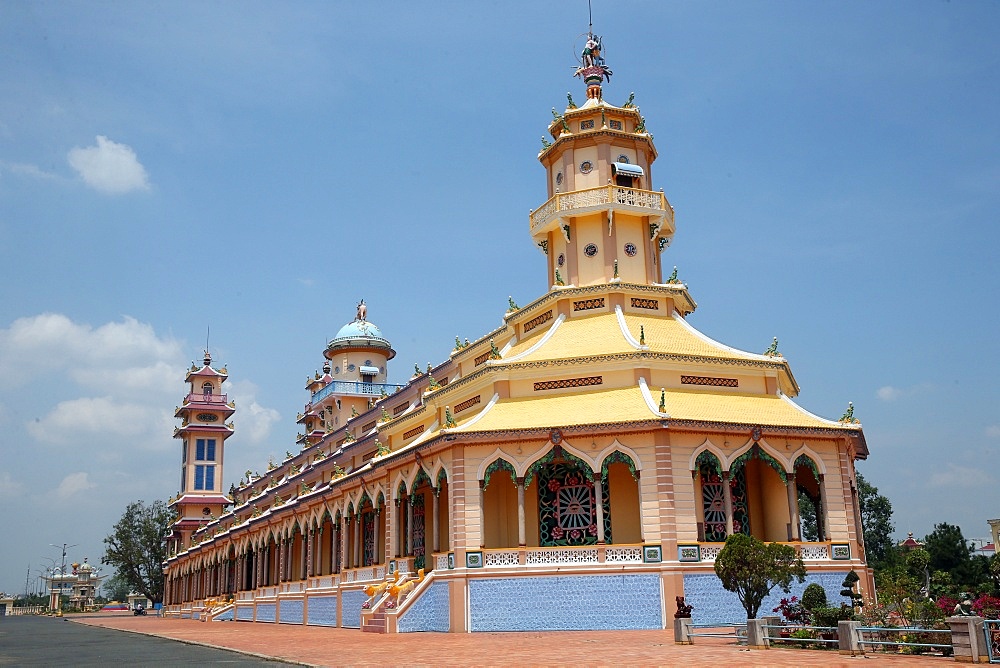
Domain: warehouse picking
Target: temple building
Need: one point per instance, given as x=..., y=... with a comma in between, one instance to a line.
x=578, y=467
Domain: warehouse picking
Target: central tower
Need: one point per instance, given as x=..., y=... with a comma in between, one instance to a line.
x=603, y=221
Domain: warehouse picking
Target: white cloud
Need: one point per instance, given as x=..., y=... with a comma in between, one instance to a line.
x=993, y=431
x=24, y=169
x=72, y=420
x=253, y=422
x=117, y=355
x=960, y=476
x=109, y=167
x=8, y=486
x=73, y=484
x=890, y=393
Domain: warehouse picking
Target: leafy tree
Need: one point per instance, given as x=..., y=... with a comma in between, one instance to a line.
x=876, y=521
x=752, y=568
x=116, y=588
x=807, y=518
x=135, y=547
x=947, y=548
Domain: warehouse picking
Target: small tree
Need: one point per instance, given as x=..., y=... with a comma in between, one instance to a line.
x=135, y=547
x=814, y=596
x=848, y=589
x=752, y=568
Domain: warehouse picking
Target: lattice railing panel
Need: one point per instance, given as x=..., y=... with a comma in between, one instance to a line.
x=623, y=555
x=819, y=552
x=710, y=552
x=501, y=558
x=562, y=556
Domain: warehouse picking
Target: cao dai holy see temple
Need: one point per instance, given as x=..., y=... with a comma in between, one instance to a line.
x=577, y=468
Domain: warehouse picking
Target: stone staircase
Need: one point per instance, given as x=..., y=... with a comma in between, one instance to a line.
x=375, y=623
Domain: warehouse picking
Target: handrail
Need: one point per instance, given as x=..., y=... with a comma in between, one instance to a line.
x=608, y=194
x=353, y=387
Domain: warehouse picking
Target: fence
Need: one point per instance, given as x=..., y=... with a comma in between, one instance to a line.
x=991, y=627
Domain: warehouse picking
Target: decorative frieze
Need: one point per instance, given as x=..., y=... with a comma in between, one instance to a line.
x=369, y=426
x=413, y=432
x=535, y=322
x=568, y=382
x=708, y=380
x=651, y=304
x=468, y=403
x=400, y=408
x=588, y=304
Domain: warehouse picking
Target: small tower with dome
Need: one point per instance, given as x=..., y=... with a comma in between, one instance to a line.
x=354, y=377
x=203, y=433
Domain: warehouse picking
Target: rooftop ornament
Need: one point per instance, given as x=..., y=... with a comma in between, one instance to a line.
x=592, y=68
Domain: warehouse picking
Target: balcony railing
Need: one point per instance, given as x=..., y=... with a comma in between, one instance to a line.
x=353, y=387
x=201, y=398
x=600, y=197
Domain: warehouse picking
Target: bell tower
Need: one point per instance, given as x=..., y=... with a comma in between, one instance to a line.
x=203, y=433
x=603, y=221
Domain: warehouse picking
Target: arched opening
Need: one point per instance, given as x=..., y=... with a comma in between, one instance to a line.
x=499, y=492
x=421, y=502
x=368, y=531
x=710, y=486
x=567, y=500
x=809, y=498
x=764, y=494
x=443, y=543
x=620, y=483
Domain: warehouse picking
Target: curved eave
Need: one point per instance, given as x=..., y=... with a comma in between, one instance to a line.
x=206, y=428
x=565, y=137
x=223, y=410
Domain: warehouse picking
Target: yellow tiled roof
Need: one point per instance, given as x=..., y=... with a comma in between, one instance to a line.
x=759, y=409
x=537, y=412
x=602, y=335
x=669, y=335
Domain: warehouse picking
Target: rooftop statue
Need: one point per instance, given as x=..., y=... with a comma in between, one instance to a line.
x=592, y=66
x=362, y=312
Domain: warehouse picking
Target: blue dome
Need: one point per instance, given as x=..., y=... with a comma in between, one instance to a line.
x=359, y=329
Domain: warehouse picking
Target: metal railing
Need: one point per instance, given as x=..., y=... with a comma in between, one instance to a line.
x=792, y=629
x=991, y=629
x=883, y=630
x=738, y=632
x=354, y=387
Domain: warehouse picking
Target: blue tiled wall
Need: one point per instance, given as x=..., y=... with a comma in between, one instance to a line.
x=712, y=604
x=227, y=616
x=430, y=612
x=351, y=608
x=244, y=613
x=291, y=612
x=566, y=603
x=265, y=612
x=322, y=611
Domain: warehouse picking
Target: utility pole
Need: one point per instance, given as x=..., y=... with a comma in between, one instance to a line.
x=27, y=576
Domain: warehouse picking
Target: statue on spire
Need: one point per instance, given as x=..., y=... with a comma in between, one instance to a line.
x=592, y=68
x=362, y=312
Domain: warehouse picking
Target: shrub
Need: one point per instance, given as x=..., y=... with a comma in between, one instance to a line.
x=831, y=616
x=792, y=610
x=987, y=606
x=814, y=597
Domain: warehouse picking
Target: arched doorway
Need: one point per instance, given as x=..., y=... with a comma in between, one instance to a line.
x=568, y=512
x=620, y=486
x=499, y=505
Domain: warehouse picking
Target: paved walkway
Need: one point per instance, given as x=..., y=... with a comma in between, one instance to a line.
x=318, y=646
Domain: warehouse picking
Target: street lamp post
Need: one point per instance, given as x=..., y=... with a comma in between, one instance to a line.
x=62, y=571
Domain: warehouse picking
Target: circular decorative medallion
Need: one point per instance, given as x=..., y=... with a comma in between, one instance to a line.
x=336, y=369
x=555, y=436
x=630, y=249
x=590, y=250
x=206, y=511
x=350, y=367
x=586, y=167
x=562, y=259
x=623, y=159
x=559, y=178
x=368, y=362
x=207, y=417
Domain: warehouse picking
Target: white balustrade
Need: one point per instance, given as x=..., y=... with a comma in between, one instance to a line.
x=710, y=552
x=500, y=558
x=440, y=562
x=629, y=554
x=561, y=556
x=815, y=552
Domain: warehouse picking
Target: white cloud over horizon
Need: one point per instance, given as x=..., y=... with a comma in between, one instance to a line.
x=960, y=476
x=73, y=484
x=892, y=393
x=109, y=167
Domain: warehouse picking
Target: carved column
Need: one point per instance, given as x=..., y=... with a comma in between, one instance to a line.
x=357, y=539
x=436, y=541
x=482, y=514
x=822, y=515
x=793, y=508
x=599, y=507
x=521, y=541
x=409, y=524
x=727, y=497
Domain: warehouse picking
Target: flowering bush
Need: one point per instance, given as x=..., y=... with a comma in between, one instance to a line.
x=947, y=604
x=987, y=606
x=793, y=612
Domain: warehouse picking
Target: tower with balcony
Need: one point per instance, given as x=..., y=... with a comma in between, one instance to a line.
x=203, y=433
x=353, y=379
x=603, y=221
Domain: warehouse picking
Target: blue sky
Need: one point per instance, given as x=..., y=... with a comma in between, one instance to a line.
x=257, y=168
